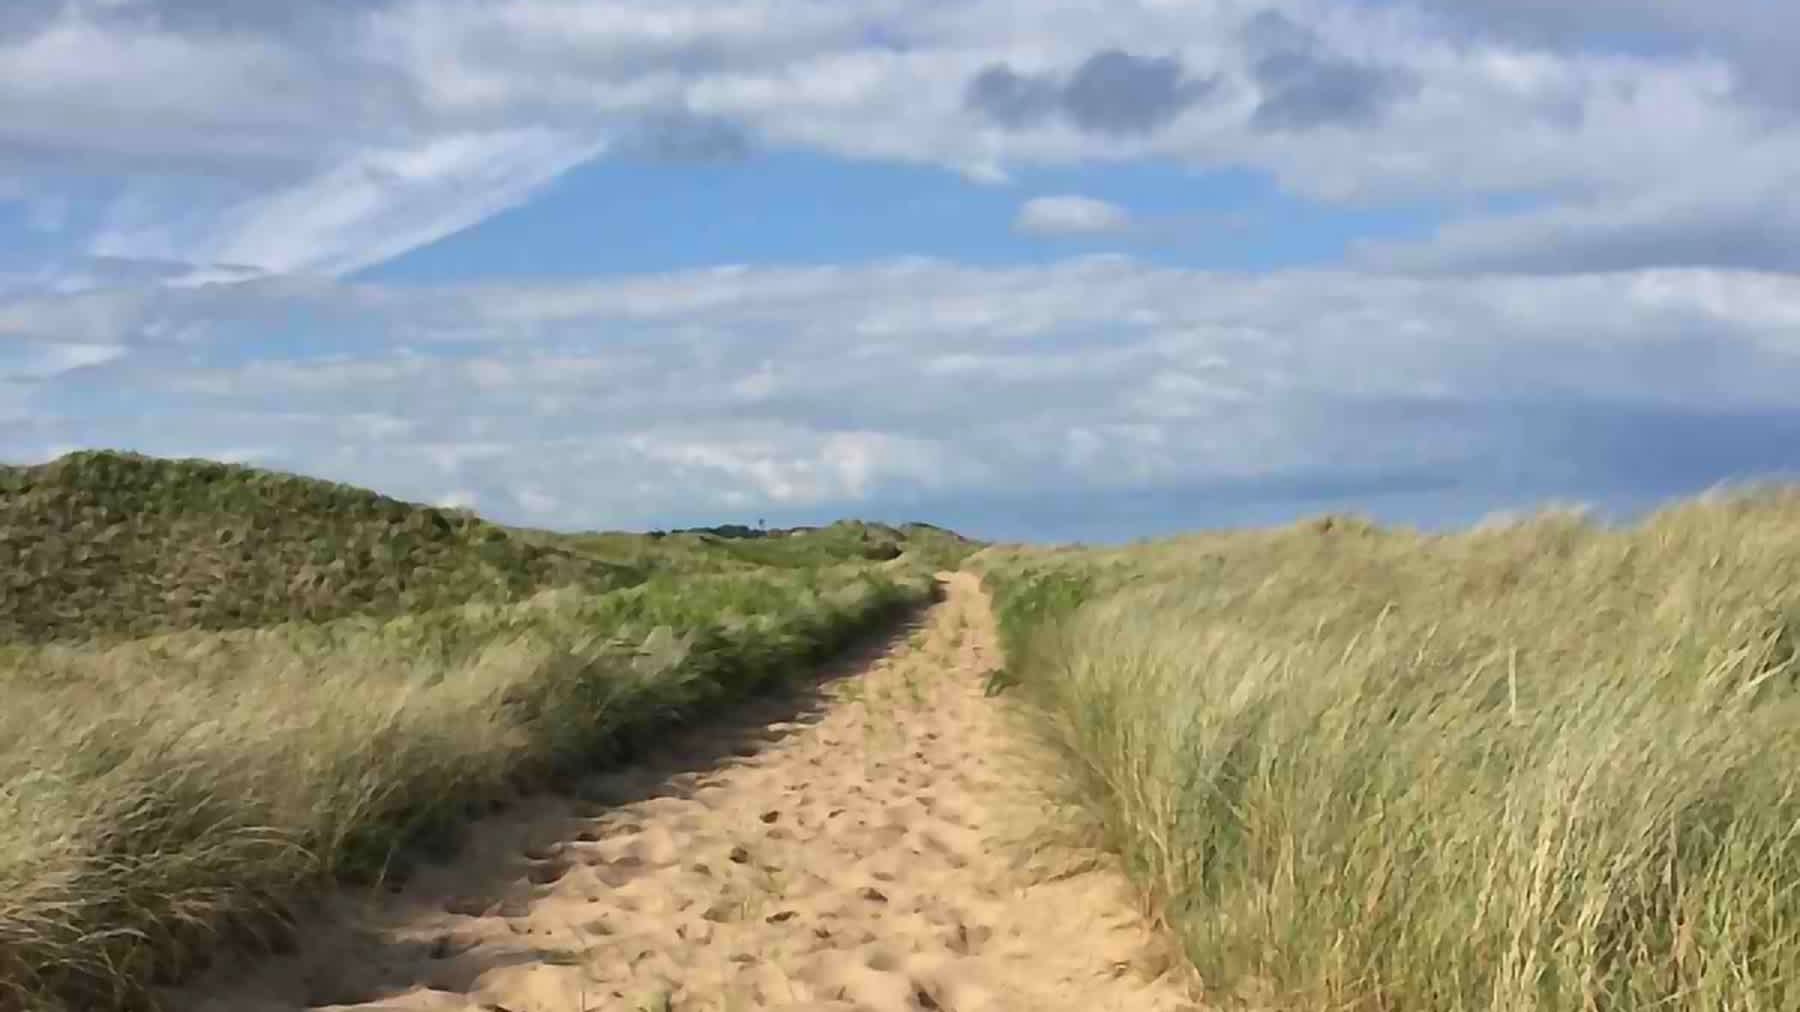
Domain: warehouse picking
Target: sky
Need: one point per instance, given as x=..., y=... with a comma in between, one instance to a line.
x=1064, y=271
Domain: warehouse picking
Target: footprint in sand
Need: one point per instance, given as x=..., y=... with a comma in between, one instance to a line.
x=839, y=860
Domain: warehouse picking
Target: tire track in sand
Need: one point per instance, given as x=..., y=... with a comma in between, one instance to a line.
x=852, y=857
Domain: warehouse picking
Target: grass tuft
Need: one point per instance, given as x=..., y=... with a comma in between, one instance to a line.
x=164, y=795
x=1542, y=765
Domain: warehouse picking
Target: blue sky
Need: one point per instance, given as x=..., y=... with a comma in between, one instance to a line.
x=627, y=216
x=1116, y=269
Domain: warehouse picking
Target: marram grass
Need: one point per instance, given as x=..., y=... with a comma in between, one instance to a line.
x=1540, y=766
x=110, y=545
x=157, y=794
x=223, y=690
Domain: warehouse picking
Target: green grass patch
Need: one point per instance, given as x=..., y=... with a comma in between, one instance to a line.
x=737, y=547
x=102, y=544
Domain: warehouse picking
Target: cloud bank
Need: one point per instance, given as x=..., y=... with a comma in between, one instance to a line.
x=329, y=136
x=901, y=385
x=1605, y=299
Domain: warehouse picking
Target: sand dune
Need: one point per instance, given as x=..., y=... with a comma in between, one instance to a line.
x=852, y=849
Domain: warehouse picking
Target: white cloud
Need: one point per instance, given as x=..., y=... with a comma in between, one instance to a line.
x=204, y=170
x=32, y=360
x=1748, y=221
x=458, y=499
x=335, y=135
x=124, y=97
x=374, y=206
x=1071, y=215
x=1122, y=376
x=536, y=501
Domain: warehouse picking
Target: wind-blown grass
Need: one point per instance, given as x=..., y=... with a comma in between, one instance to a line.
x=158, y=793
x=1538, y=766
x=162, y=795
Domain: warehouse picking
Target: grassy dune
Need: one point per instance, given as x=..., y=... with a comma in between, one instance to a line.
x=162, y=794
x=737, y=548
x=103, y=544
x=1538, y=766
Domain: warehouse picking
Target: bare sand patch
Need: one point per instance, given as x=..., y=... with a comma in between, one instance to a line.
x=854, y=848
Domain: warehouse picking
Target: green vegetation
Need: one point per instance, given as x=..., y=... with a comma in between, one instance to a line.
x=735, y=547
x=1543, y=765
x=111, y=544
x=162, y=795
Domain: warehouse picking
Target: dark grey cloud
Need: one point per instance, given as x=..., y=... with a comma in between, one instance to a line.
x=27, y=17
x=1305, y=84
x=24, y=18
x=1116, y=92
x=1666, y=451
x=1756, y=37
x=200, y=17
x=1624, y=25
x=682, y=136
x=1111, y=92
x=1620, y=458
x=1012, y=99
x=1622, y=455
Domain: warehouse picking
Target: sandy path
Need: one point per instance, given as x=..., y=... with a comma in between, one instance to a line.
x=846, y=851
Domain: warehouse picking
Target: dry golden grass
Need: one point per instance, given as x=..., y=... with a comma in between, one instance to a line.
x=158, y=794
x=162, y=794
x=1537, y=766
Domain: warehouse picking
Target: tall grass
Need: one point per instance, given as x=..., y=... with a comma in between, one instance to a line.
x=160, y=795
x=1537, y=766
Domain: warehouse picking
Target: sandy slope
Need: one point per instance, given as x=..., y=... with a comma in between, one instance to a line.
x=848, y=850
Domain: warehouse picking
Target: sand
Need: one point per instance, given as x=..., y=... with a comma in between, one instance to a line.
x=855, y=846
